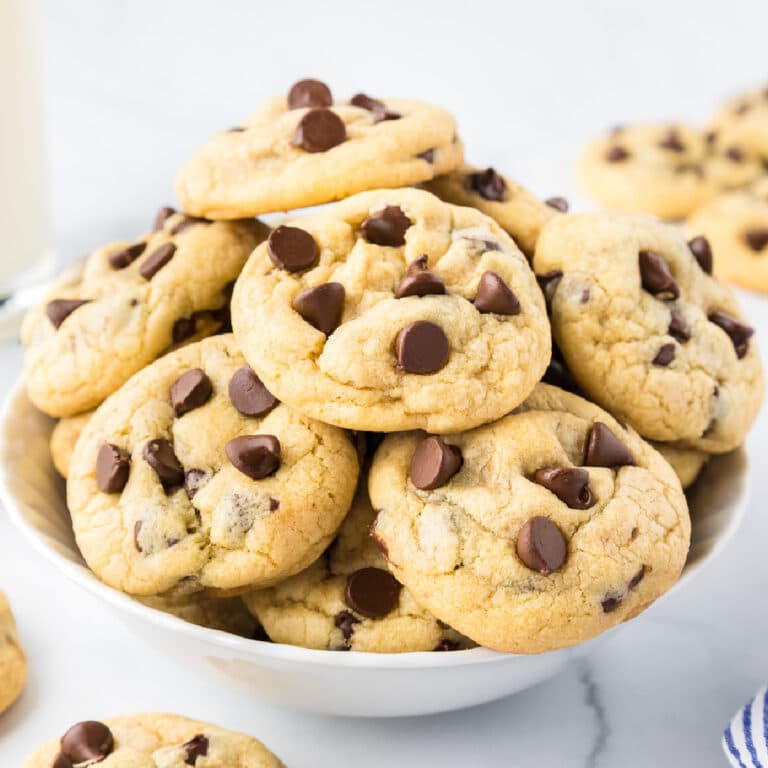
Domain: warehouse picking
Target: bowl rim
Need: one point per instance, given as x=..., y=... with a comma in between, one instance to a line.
x=251, y=649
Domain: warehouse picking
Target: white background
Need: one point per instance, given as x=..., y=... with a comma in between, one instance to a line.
x=133, y=87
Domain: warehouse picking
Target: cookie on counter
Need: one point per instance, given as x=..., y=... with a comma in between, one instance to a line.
x=512, y=206
x=647, y=332
x=128, y=303
x=393, y=310
x=533, y=533
x=736, y=226
x=195, y=477
x=64, y=438
x=13, y=662
x=152, y=740
x=348, y=600
x=743, y=121
x=307, y=148
x=664, y=170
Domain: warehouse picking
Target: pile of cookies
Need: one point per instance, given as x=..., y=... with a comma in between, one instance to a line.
x=415, y=419
x=714, y=178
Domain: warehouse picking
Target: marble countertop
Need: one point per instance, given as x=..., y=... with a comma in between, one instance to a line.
x=132, y=88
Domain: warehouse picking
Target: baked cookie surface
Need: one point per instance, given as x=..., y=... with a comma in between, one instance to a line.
x=647, y=332
x=194, y=477
x=13, y=662
x=128, y=303
x=308, y=149
x=64, y=438
x=533, y=533
x=743, y=121
x=664, y=170
x=393, y=310
x=687, y=462
x=152, y=740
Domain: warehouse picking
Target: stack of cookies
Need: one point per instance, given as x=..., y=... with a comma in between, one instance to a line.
x=714, y=178
x=385, y=450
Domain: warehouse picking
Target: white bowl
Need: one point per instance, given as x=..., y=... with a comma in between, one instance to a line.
x=357, y=684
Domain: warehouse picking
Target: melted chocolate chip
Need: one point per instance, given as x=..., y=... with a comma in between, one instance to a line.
x=191, y=390
x=447, y=645
x=678, y=327
x=541, y=545
x=558, y=203
x=249, y=395
x=386, y=227
x=558, y=374
x=309, y=93
x=194, y=480
x=372, y=592
x=637, y=578
x=702, y=252
x=672, y=141
x=604, y=449
x=319, y=130
x=570, y=485
x=196, y=747
x=183, y=329
x=345, y=621
x=421, y=347
x=321, y=306
x=434, y=463
x=616, y=154
x=756, y=239
x=257, y=456
x=136, y=532
x=59, y=310
x=159, y=455
x=656, y=276
x=292, y=249
x=379, y=109
x=665, y=355
x=62, y=761
x=419, y=280
x=126, y=256
x=495, y=296
x=112, y=468
x=611, y=604
x=428, y=156
x=489, y=185
x=734, y=154
x=739, y=333
x=89, y=741
x=157, y=260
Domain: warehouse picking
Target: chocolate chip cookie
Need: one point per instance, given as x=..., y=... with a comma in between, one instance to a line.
x=664, y=170
x=743, y=122
x=646, y=330
x=393, y=310
x=195, y=477
x=64, y=438
x=511, y=205
x=307, y=148
x=152, y=740
x=687, y=462
x=127, y=304
x=736, y=226
x=348, y=600
x=13, y=662
x=535, y=532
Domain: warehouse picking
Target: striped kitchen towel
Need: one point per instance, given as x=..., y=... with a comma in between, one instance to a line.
x=745, y=740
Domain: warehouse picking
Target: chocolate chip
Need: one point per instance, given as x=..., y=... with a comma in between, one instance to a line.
x=756, y=239
x=637, y=578
x=136, y=532
x=672, y=141
x=739, y=333
x=257, y=456
x=193, y=481
x=604, y=449
x=710, y=137
x=159, y=455
x=345, y=621
x=743, y=108
x=558, y=203
x=734, y=154
x=656, y=276
x=126, y=256
x=434, y=463
x=541, y=545
x=702, y=252
x=249, y=395
x=386, y=227
x=548, y=283
x=611, y=604
x=112, y=468
x=570, y=485
x=488, y=184
x=379, y=109
x=292, y=249
x=321, y=306
x=274, y=504
x=421, y=347
x=62, y=761
x=183, y=329
x=89, y=741
x=428, y=156
x=372, y=592
x=665, y=355
x=616, y=154
x=495, y=296
x=447, y=645
x=59, y=310
x=187, y=222
x=678, y=327
x=157, y=260
x=319, y=130
x=309, y=93
x=419, y=280
x=557, y=372
x=191, y=390
x=196, y=747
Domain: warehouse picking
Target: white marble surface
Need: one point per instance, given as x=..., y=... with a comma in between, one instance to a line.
x=133, y=87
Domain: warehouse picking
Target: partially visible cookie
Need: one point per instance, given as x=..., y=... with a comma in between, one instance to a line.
x=647, y=332
x=307, y=148
x=533, y=533
x=348, y=600
x=687, y=462
x=512, y=206
x=152, y=740
x=13, y=662
x=228, y=614
x=64, y=438
x=194, y=477
x=664, y=170
x=393, y=310
x=127, y=304
x=743, y=121
x=736, y=226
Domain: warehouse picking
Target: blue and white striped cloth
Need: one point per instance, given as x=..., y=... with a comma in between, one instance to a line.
x=745, y=740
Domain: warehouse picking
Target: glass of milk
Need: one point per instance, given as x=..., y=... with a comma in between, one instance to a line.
x=26, y=254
